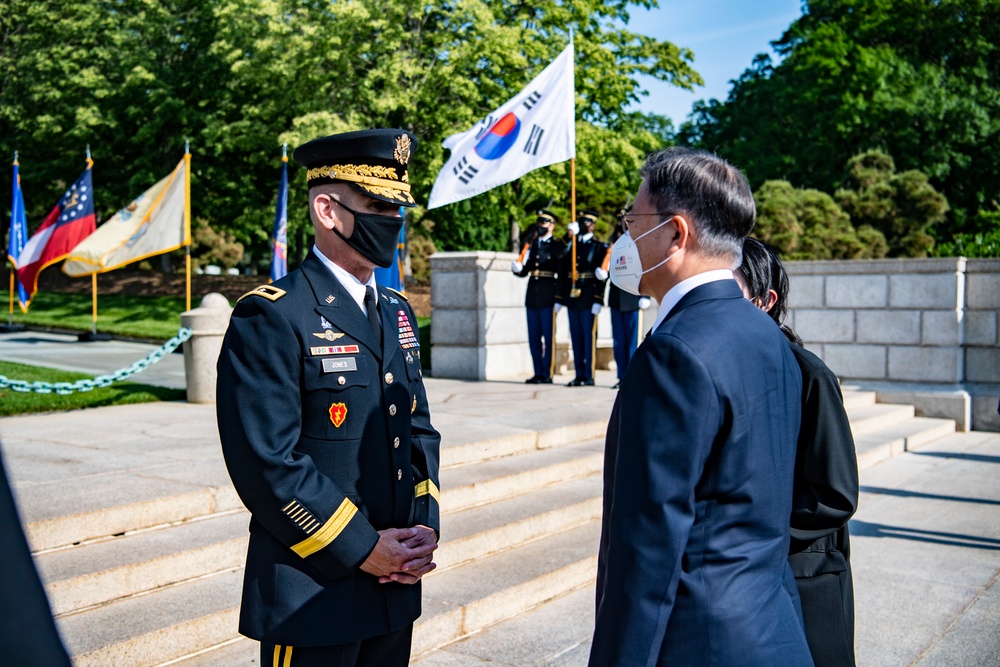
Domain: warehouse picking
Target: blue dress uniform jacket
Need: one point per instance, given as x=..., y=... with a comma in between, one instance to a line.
x=589, y=256
x=541, y=266
x=693, y=566
x=327, y=437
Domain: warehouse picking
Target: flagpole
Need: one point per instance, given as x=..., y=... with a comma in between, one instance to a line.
x=187, y=222
x=93, y=336
x=93, y=292
x=93, y=276
x=572, y=212
x=10, y=313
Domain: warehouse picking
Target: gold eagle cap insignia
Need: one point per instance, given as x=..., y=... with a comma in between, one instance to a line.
x=402, y=152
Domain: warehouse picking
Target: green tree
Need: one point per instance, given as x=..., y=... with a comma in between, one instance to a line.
x=904, y=207
x=917, y=79
x=808, y=224
x=134, y=78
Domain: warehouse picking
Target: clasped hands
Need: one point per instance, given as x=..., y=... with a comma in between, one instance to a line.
x=402, y=555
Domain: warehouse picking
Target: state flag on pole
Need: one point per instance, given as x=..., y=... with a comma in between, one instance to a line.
x=279, y=244
x=536, y=128
x=154, y=223
x=18, y=234
x=69, y=222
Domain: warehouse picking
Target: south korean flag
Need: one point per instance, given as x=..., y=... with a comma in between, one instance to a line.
x=534, y=129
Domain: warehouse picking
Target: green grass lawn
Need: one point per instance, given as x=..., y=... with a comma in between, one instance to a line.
x=120, y=393
x=156, y=317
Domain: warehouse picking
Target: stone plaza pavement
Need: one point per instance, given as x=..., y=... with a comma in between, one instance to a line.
x=926, y=539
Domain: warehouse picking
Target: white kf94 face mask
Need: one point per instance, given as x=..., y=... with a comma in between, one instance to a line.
x=626, y=267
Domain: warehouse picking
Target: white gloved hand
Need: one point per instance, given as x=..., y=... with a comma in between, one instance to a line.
x=556, y=308
x=644, y=302
x=573, y=228
x=516, y=266
x=600, y=273
x=596, y=309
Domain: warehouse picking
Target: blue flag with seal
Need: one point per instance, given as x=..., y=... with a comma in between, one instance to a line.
x=393, y=276
x=279, y=244
x=18, y=237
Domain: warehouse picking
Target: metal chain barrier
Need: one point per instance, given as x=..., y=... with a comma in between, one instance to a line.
x=183, y=334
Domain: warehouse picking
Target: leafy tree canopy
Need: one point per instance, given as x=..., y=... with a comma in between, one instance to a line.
x=919, y=80
x=808, y=224
x=134, y=78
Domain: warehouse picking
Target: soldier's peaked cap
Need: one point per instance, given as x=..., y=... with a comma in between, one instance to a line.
x=588, y=214
x=373, y=162
x=547, y=216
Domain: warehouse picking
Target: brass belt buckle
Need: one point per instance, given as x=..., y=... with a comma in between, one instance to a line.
x=574, y=293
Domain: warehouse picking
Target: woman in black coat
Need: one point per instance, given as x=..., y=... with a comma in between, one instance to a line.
x=826, y=477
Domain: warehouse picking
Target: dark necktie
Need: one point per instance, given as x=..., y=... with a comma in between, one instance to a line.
x=371, y=305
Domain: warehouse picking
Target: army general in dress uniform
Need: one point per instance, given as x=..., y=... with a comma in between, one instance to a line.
x=540, y=262
x=584, y=297
x=325, y=426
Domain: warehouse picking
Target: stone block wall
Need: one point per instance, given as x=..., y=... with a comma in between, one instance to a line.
x=923, y=331
x=478, y=328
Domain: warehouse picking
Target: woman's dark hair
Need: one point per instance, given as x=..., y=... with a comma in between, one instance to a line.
x=761, y=270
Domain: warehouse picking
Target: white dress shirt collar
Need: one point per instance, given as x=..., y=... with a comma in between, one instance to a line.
x=677, y=292
x=586, y=237
x=354, y=287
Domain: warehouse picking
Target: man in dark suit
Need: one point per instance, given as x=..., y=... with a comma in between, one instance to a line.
x=700, y=450
x=582, y=293
x=325, y=427
x=540, y=262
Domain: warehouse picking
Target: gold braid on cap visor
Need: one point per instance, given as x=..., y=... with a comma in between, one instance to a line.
x=378, y=180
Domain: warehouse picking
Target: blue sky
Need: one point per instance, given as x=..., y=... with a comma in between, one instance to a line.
x=724, y=35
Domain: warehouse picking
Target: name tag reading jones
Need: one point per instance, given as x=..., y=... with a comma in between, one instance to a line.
x=340, y=365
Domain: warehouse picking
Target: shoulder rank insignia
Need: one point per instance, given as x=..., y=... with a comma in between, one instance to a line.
x=398, y=293
x=267, y=291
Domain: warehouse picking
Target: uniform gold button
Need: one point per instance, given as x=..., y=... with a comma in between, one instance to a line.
x=341, y=380
x=392, y=410
x=388, y=378
x=399, y=474
x=395, y=443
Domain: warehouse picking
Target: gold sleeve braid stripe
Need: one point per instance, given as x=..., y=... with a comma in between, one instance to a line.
x=329, y=532
x=427, y=488
x=301, y=516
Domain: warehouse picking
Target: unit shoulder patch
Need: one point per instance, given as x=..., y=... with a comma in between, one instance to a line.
x=269, y=292
x=398, y=293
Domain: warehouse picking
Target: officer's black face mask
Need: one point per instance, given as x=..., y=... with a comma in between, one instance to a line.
x=374, y=236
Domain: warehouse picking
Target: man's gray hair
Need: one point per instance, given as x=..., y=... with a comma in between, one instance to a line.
x=712, y=194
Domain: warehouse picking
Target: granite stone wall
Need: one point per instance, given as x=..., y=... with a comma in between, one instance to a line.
x=920, y=331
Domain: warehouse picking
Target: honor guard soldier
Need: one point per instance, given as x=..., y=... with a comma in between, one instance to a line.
x=540, y=261
x=582, y=292
x=626, y=318
x=325, y=426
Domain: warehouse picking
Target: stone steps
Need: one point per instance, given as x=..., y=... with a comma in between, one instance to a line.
x=152, y=595
x=161, y=584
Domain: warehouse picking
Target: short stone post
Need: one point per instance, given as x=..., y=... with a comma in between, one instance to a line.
x=208, y=323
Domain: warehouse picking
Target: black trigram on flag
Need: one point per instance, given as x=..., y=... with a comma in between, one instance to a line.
x=465, y=171
x=532, y=100
x=534, y=140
